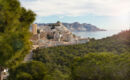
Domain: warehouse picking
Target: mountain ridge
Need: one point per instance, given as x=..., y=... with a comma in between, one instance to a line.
x=76, y=26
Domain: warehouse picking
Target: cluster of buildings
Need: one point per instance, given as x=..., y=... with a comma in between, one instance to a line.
x=53, y=35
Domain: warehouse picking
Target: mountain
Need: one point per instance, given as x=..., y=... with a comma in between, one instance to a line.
x=76, y=26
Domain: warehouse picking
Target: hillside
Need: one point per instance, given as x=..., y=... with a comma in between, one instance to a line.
x=76, y=26
x=60, y=59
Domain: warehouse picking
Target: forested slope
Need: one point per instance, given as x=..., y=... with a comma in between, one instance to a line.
x=59, y=59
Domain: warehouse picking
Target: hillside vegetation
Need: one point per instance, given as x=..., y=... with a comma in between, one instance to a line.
x=104, y=59
x=59, y=59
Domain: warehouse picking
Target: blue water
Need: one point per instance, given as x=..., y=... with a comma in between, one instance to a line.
x=98, y=34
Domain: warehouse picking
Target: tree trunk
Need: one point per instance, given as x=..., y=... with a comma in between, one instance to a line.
x=1, y=70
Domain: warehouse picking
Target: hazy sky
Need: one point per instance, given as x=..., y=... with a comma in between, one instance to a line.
x=107, y=14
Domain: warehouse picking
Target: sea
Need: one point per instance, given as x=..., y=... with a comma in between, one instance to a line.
x=96, y=34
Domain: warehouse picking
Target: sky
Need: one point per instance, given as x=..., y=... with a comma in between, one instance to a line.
x=105, y=14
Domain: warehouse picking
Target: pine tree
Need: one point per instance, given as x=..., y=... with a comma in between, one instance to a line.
x=14, y=31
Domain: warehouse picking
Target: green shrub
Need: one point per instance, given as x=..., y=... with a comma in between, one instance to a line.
x=28, y=71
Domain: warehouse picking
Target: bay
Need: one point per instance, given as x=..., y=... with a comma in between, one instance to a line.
x=96, y=34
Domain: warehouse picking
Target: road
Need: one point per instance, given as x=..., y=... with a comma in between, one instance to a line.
x=28, y=57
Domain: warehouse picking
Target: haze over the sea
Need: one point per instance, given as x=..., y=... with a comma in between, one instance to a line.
x=106, y=14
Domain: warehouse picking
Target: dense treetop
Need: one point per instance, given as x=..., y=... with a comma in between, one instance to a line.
x=33, y=70
x=102, y=66
x=14, y=31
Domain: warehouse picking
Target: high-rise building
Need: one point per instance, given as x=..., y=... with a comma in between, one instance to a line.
x=34, y=29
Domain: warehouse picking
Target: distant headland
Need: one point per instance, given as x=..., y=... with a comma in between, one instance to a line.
x=76, y=26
